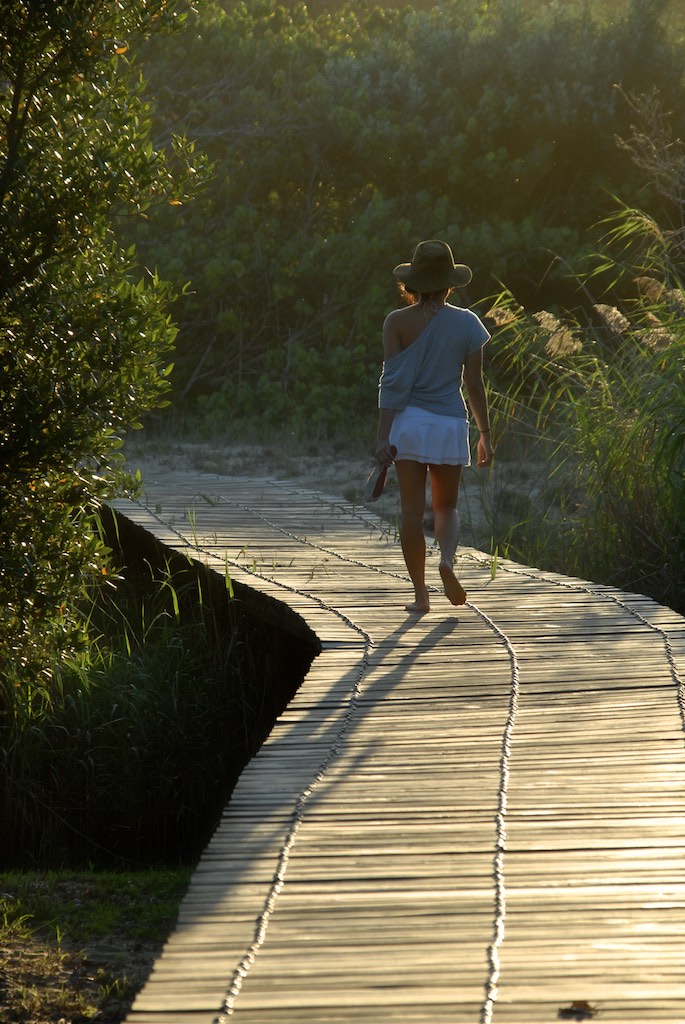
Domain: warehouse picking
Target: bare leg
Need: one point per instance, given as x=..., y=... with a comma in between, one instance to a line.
x=445, y=482
x=411, y=477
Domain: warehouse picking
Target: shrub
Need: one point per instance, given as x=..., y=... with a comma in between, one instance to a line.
x=84, y=338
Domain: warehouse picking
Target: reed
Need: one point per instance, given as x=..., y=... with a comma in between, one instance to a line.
x=602, y=399
x=132, y=751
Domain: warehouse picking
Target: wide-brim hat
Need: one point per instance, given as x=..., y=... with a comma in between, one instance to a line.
x=432, y=269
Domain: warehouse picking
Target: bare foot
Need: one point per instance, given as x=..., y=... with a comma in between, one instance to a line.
x=421, y=604
x=454, y=591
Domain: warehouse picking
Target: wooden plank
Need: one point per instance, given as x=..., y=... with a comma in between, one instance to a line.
x=509, y=772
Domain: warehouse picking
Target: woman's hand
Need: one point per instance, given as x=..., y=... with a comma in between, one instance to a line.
x=385, y=453
x=486, y=452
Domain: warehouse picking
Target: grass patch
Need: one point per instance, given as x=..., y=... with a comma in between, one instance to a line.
x=78, y=946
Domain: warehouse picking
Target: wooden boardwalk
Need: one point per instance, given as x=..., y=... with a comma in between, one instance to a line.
x=476, y=815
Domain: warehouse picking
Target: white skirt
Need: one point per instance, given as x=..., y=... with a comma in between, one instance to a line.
x=423, y=436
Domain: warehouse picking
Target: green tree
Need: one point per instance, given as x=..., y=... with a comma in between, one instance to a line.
x=83, y=345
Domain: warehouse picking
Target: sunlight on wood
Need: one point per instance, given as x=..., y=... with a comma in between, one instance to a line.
x=476, y=814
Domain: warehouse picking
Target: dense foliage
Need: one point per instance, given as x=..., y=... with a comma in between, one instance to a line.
x=344, y=133
x=83, y=342
x=607, y=394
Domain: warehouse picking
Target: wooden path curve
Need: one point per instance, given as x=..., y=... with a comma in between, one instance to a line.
x=476, y=815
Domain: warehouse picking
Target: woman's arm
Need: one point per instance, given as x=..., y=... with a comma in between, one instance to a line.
x=392, y=346
x=383, y=453
x=478, y=404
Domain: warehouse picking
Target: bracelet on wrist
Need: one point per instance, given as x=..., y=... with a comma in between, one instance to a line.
x=486, y=431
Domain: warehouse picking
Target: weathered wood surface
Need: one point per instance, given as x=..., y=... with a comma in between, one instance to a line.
x=475, y=815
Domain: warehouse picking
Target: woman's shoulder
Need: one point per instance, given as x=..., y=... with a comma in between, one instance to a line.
x=400, y=330
x=459, y=311
x=466, y=317
x=402, y=314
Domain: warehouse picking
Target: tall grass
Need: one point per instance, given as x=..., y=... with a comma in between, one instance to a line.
x=132, y=752
x=602, y=395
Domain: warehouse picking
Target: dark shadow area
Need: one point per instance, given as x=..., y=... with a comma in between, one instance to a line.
x=272, y=647
x=134, y=762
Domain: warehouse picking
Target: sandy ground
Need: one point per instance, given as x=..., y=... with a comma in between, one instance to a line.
x=341, y=473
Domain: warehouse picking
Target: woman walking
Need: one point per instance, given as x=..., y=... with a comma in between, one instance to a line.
x=430, y=349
